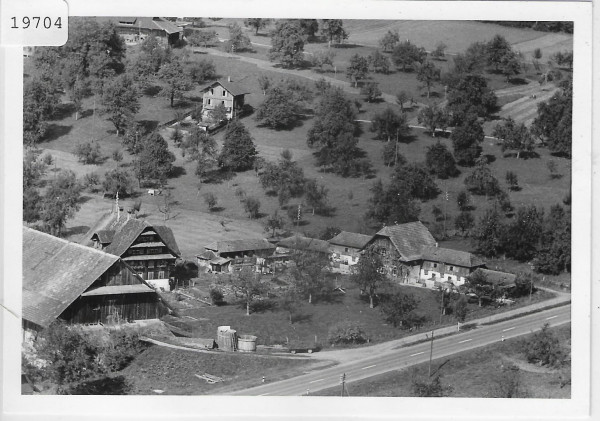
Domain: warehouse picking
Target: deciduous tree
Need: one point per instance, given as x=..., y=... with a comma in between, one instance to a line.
x=397, y=308
x=428, y=75
x=120, y=100
x=368, y=274
x=117, y=181
x=357, y=69
x=279, y=110
x=379, y=62
x=60, y=201
x=287, y=43
x=466, y=140
x=238, y=152
x=256, y=23
x=247, y=285
x=439, y=161
x=553, y=123
x=176, y=80
x=155, y=160
x=334, y=30
x=238, y=41
x=514, y=137
x=389, y=41
x=405, y=55
x=433, y=117
x=388, y=125
x=487, y=237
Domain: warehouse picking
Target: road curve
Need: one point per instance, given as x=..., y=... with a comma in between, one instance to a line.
x=400, y=358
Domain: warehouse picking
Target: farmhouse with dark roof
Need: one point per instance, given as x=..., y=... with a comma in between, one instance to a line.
x=447, y=265
x=227, y=256
x=345, y=250
x=223, y=92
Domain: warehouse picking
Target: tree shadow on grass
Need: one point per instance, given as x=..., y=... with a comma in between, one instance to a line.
x=117, y=385
x=177, y=171
x=301, y=318
x=56, y=131
x=217, y=209
x=148, y=125
x=63, y=111
x=152, y=90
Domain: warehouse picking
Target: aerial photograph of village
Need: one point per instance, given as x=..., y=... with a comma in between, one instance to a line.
x=298, y=207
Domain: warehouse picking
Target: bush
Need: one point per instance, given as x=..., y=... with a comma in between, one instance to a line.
x=347, y=333
x=544, y=348
x=122, y=348
x=88, y=152
x=260, y=306
x=216, y=296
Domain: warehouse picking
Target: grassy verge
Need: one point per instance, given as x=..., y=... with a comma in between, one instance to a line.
x=473, y=374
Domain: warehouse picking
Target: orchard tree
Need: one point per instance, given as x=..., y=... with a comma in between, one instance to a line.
x=371, y=91
x=405, y=55
x=553, y=124
x=60, y=201
x=470, y=94
x=512, y=181
x=321, y=58
x=120, y=100
x=544, y=348
x=309, y=274
x=434, y=117
x=514, y=137
x=368, y=273
x=218, y=114
x=316, y=196
x=391, y=155
x=523, y=234
x=286, y=178
x=252, y=207
x=488, y=233
x=247, y=286
x=175, y=78
x=279, y=110
x=482, y=182
x=334, y=30
x=287, y=44
x=510, y=65
x=479, y=284
x=439, y=52
x=554, y=254
x=274, y=223
x=256, y=23
x=392, y=205
x=389, y=41
x=428, y=75
x=88, y=152
x=496, y=50
x=464, y=222
x=309, y=27
x=117, y=181
x=466, y=140
x=357, y=69
x=202, y=38
x=39, y=102
x=398, y=309
x=463, y=200
x=264, y=82
x=439, y=161
x=388, y=125
x=211, y=200
x=416, y=179
x=200, y=147
x=238, y=152
x=201, y=71
x=238, y=41
x=379, y=62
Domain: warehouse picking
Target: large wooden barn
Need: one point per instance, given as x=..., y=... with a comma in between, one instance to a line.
x=79, y=284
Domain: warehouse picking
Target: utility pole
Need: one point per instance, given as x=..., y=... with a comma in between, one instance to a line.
x=530, y=289
x=343, y=381
x=445, y=206
x=442, y=309
x=431, y=353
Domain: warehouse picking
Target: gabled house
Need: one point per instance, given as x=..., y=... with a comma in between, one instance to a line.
x=231, y=255
x=447, y=265
x=140, y=27
x=401, y=248
x=345, y=250
x=151, y=250
x=223, y=92
x=79, y=284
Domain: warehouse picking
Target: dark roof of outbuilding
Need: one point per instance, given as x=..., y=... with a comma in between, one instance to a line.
x=297, y=242
x=499, y=278
x=351, y=239
x=153, y=23
x=410, y=239
x=55, y=273
x=454, y=257
x=232, y=246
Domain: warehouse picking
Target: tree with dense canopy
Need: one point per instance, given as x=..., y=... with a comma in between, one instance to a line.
x=554, y=254
x=434, y=117
x=371, y=91
x=464, y=222
x=389, y=41
x=155, y=160
x=388, y=125
x=201, y=71
x=368, y=275
x=238, y=41
x=481, y=181
x=521, y=237
x=357, y=69
x=285, y=178
x=200, y=147
x=238, y=152
x=428, y=75
x=379, y=62
x=202, y=38
x=392, y=205
x=60, y=201
x=398, y=309
x=553, y=123
x=120, y=100
x=470, y=94
x=406, y=54
x=256, y=23
x=479, y=284
x=117, y=181
x=466, y=140
x=416, y=179
x=309, y=274
x=487, y=237
x=439, y=161
x=514, y=137
x=287, y=43
x=279, y=110
x=175, y=78
x=496, y=50
x=247, y=286
x=39, y=102
x=309, y=27
x=315, y=195
x=334, y=30
x=322, y=58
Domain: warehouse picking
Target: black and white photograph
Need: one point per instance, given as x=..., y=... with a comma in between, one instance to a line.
x=312, y=207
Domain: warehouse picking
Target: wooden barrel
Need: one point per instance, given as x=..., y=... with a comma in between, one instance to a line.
x=247, y=343
x=226, y=338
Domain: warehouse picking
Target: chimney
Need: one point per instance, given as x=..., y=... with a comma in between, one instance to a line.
x=228, y=78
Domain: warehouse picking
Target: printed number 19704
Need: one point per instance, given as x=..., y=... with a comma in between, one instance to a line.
x=37, y=22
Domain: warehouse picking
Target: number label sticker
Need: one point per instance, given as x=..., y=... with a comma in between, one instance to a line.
x=34, y=22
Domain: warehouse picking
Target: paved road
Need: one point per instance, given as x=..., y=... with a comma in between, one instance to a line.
x=400, y=358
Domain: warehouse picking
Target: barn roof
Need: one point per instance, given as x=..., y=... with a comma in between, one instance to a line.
x=297, y=242
x=351, y=239
x=118, y=289
x=55, y=273
x=454, y=257
x=232, y=246
x=410, y=239
x=234, y=88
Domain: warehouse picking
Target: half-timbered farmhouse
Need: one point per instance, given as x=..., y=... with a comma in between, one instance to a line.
x=223, y=92
x=79, y=284
x=228, y=256
x=447, y=265
x=401, y=248
x=345, y=250
x=151, y=250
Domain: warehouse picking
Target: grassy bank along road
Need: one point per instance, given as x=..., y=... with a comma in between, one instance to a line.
x=396, y=359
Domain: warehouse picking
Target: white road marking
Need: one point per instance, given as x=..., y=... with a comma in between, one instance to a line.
x=418, y=353
x=371, y=366
x=510, y=328
x=319, y=380
x=264, y=394
x=466, y=340
x=551, y=317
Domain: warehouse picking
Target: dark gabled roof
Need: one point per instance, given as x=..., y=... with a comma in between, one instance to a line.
x=55, y=273
x=351, y=239
x=297, y=242
x=152, y=23
x=207, y=255
x=233, y=246
x=234, y=88
x=499, y=278
x=124, y=232
x=453, y=257
x=409, y=239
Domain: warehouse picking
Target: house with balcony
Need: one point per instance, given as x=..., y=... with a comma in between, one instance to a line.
x=230, y=95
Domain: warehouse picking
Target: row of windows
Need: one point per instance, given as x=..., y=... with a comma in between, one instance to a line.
x=150, y=275
x=141, y=251
x=450, y=268
x=137, y=264
x=212, y=92
x=426, y=272
x=210, y=102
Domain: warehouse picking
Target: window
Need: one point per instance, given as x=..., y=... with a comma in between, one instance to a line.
x=212, y=92
x=451, y=269
x=222, y=102
x=345, y=249
x=435, y=265
x=136, y=252
x=425, y=272
x=209, y=102
x=161, y=274
x=151, y=263
x=150, y=276
x=224, y=92
x=394, y=271
x=449, y=278
x=154, y=250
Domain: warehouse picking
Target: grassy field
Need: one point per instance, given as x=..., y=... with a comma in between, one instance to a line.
x=173, y=371
x=473, y=374
x=314, y=320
